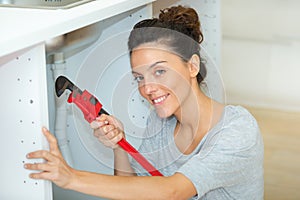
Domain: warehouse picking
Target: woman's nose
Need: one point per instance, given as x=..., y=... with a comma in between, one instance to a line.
x=149, y=88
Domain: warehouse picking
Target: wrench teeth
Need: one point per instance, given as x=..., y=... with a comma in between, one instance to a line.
x=61, y=84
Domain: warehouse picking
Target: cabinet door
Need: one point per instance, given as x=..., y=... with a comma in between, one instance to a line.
x=24, y=110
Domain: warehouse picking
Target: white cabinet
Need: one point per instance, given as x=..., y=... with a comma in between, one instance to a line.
x=24, y=110
x=24, y=88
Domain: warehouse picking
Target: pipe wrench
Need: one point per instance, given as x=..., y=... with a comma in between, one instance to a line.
x=92, y=108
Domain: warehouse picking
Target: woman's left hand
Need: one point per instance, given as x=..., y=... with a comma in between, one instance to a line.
x=55, y=167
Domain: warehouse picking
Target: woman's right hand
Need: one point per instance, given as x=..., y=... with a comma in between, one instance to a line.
x=108, y=130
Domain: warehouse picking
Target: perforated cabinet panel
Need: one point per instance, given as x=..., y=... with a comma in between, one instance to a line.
x=24, y=111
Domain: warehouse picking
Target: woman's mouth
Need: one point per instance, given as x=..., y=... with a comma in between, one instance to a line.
x=160, y=99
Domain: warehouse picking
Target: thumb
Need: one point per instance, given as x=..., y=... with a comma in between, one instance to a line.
x=114, y=121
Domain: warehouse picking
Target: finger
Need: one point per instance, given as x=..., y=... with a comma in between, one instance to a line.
x=112, y=120
x=41, y=154
x=45, y=175
x=106, y=141
x=112, y=138
x=110, y=144
x=38, y=166
x=99, y=132
x=107, y=119
x=97, y=124
x=41, y=175
x=103, y=118
x=52, y=142
x=106, y=129
x=116, y=139
x=103, y=130
x=113, y=133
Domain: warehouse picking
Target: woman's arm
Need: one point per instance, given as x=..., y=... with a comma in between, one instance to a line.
x=56, y=170
x=122, y=166
x=124, y=187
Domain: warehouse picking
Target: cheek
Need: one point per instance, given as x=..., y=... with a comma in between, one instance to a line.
x=177, y=80
x=142, y=91
x=180, y=87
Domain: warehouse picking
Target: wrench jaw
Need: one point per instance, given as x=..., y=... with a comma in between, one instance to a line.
x=85, y=101
x=62, y=83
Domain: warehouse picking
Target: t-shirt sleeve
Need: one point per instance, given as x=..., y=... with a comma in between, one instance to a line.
x=227, y=158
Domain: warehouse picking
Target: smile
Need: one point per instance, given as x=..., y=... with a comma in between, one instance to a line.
x=159, y=100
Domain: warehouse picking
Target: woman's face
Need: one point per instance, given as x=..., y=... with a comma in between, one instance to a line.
x=164, y=79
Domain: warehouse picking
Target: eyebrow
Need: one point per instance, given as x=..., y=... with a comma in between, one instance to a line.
x=158, y=62
x=152, y=65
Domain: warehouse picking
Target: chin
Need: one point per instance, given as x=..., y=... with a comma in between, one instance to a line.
x=163, y=113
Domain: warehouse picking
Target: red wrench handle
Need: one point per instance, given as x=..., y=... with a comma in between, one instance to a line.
x=139, y=158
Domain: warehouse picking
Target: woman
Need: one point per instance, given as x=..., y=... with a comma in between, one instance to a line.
x=205, y=150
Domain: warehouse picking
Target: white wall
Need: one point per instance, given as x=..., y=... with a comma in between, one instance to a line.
x=260, y=53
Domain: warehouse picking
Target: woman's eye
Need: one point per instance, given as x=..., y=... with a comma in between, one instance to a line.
x=159, y=72
x=138, y=78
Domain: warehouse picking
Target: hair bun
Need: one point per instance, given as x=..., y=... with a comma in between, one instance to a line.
x=184, y=19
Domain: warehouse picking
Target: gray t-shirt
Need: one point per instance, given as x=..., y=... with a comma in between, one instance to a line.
x=227, y=163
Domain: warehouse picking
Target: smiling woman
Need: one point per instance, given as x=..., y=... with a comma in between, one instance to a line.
x=166, y=72
x=204, y=149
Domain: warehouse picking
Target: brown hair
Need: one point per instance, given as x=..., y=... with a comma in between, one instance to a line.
x=176, y=27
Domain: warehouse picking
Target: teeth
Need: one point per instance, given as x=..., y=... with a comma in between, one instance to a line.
x=159, y=99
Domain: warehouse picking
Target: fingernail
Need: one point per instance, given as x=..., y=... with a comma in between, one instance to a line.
x=28, y=155
x=25, y=166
